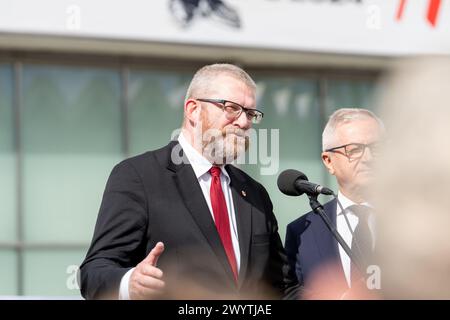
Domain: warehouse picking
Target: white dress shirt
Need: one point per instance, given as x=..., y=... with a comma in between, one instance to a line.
x=201, y=167
x=343, y=229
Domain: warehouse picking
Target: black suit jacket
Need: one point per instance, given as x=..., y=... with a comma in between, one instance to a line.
x=149, y=198
x=313, y=251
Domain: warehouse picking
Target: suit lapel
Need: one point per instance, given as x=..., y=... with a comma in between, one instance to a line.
x=243, y=212
x=192, y=195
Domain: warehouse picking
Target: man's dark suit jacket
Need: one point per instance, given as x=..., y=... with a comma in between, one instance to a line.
x=150, y=198
x=313, y=251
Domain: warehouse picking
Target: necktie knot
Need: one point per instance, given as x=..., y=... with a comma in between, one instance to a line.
x=361, y=211
x=215, y=171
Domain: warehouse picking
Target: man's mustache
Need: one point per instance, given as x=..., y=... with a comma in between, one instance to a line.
x=238, y=132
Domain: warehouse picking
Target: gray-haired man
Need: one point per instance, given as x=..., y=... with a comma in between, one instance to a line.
x=350, y=143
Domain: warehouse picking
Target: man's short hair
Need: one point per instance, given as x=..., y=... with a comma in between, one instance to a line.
x=341, y=116
x=205, y=78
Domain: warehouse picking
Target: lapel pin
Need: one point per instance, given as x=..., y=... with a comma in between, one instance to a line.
x=244, y=193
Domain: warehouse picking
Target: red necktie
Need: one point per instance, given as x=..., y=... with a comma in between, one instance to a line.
x=220, y=211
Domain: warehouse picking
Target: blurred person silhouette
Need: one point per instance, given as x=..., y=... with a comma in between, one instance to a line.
x=413, y=181
x=350, y=143
x=181, y=221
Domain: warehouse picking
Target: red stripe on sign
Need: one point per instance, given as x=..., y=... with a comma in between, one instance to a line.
x=433, y=9
x=400, y=9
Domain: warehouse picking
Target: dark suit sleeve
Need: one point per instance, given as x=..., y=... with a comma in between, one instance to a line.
x=279, y=269
x=118, y=242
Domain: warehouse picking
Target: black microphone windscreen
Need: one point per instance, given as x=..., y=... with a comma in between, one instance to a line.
x=286, y=181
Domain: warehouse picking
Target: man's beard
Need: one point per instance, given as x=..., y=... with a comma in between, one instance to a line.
x=222, y=146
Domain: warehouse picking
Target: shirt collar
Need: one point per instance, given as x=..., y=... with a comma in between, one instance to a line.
x=346, y=202
x=199, y=163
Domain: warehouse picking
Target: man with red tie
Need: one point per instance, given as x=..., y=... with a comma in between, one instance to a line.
x=181, y=222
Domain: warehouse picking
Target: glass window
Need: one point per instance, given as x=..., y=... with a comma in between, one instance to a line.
x=71, y=137
x=290, y=107
x=52, y=272
x=8, y=185
x=71, y=134
x=349, y=94
x=155, y=107
x=8, y=272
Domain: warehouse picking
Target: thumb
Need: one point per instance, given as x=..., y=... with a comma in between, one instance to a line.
x=153, y=256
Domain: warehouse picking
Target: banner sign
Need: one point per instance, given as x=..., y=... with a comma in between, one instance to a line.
x=362, y=27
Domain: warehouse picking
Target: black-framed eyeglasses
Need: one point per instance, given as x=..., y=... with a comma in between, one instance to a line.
x=354, y=151
x=233, y=110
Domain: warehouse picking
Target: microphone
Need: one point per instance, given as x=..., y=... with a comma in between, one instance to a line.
x=295, y=183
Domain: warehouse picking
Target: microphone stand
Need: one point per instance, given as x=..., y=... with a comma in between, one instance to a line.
x=318, y=209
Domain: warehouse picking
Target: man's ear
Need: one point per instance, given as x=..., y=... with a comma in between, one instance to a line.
x=327, y=162
x=192, y=111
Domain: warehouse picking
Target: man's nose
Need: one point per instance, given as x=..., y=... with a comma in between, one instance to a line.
x=242, y=121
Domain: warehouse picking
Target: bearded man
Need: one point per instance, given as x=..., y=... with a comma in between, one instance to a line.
x=181, y=221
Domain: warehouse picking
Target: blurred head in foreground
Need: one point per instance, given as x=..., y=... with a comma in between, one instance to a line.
x=411, y=187
x=413, y=182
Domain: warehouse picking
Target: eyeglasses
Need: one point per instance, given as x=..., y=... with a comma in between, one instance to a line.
x=355, y=151
x=233, y=110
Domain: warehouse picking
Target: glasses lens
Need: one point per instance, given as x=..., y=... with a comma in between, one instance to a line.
x=257, y=117
x=355, y=150
x=232, y=108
